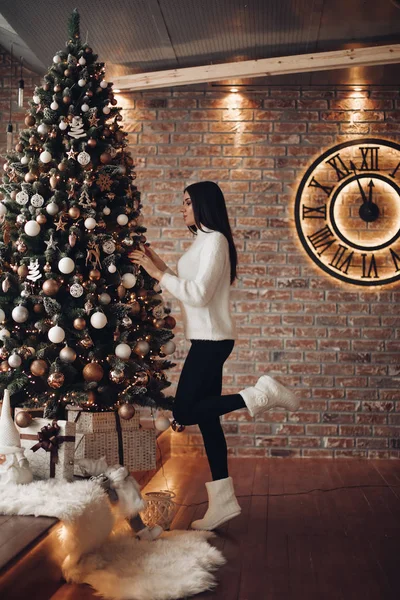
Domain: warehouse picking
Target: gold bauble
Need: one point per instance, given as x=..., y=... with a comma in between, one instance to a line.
x=30, y=177
x=126, y=411
x=93, y=372
x=94, y=275
x=23, y=418
x=22, y=271
x=39, y=367
x=50, y=287
x=74, y=212
x=56, y=380
x=79, y=323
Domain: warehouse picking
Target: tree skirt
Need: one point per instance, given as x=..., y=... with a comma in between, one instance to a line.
x=115, y=564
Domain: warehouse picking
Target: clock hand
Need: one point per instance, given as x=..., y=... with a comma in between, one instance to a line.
x=363, y=194
x=370, y=185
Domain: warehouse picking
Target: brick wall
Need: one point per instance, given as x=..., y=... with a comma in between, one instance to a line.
x=336, y=345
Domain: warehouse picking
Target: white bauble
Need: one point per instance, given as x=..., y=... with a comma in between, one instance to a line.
x=83, y=158
x=90, y=223
x=45, y=156
x=56, y=59
x=63, y=125
x=3, y=209
x=22, y=198
x=98, y=320
x=4, y=333
x=128, y=280
x=106, y=110
x=112, y=268
x=104, y=299
x=37, y=200
x=52, y=208
x=42, y=129
x=36, y=99
x=82, y=82
x=82, y=61
x=104, y=84
x=162, y=423
x=85, y=107
x=2, y=315
x=169, y=347
x=122, y=219
x=56, y=334
x=66, y=265
x=20, y=314
x=106, y=210
x=32, y=228
x=24, y=160
x=54, y=105
x=15, y=360
x=123, y=351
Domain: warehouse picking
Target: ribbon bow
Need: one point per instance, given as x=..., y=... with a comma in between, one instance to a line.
x=48, y=439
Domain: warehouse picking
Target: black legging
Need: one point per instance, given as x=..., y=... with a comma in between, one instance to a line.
x=198, y=399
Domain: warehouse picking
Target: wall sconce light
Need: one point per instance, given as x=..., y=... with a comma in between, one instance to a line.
x=21, y=86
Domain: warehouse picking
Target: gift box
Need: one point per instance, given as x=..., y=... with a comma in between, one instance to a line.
x=100, y=422
x=49, y=447
x=134, y=448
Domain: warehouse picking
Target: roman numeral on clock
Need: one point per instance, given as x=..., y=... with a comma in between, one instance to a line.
x=393, y=173
x=340, y=261
x=396, y=259
x=317, y=212
x=320, y=239
x=369, y=158
x=368, y=269
x=337, y=163
x=326, y=188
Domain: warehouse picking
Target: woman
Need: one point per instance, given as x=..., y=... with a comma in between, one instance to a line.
x=202, y=285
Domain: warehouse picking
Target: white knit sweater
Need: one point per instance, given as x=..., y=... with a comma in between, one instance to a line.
x=203, y=288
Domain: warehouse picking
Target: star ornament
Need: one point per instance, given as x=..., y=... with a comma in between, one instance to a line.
x=51, y=244
x=61, y=224
x=93, y=120
x=72, y=154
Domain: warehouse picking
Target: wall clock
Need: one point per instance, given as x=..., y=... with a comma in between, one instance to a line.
x=347, y=211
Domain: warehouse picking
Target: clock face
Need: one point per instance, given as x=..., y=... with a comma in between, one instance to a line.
x=347, y=212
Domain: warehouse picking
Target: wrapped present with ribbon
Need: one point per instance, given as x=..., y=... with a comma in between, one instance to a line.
x=50, y=448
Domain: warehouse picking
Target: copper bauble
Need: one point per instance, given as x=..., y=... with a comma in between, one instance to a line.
x=94, y=275
x=56, y=380
x=159, y=323
x=105, y=158
x=119, y=136
x=106, y=132
x=135, y=308
x=92, y=142
x=74, y=212
x=57, y=88
x=30, y=120
x=4, y=366
x=142, y=293
x=13, y=194
x=66, y=99
x=93, y=372
x=79, y=323
x=23, y=418
x=39, y=367
x=121, y=291
x=170, y=322
x=41, y=219
x=117, y=376
x=47, y=268
x=177, y=426
x=86, y=342
x=53, y=182
x=22, y=271
x=142, y=377
x=38, y=308
x=126, y=411
x=50, y=287
x=63, y=166
x=19, y=147
x=67, y=73
x=30, y=177
x=32, y=140
x=21, y=246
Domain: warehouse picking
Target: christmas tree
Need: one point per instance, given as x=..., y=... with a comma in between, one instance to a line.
x=79, y=322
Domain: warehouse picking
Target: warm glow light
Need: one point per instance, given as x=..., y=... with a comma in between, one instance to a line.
x=234, y=90
x=357, y=89
x=116, y=91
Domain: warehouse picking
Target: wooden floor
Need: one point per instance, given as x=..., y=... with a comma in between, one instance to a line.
x=292, y=543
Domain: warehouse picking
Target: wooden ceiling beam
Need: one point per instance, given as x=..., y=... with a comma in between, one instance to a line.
x=301, y=63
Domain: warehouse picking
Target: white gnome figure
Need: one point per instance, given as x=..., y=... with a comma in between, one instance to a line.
x=14, y=466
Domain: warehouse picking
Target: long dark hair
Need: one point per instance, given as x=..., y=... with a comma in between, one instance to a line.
x=209, y=209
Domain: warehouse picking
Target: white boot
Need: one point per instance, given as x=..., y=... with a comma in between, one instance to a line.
x=267, y=394
x=222, y=505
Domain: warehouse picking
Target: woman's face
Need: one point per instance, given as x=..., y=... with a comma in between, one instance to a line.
x=187, y=210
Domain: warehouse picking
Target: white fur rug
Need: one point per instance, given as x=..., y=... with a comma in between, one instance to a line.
x=115, y=564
